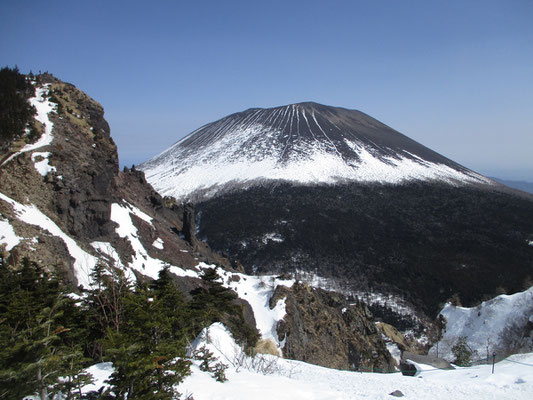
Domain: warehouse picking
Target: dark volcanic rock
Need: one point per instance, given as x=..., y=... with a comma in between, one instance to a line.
x=321, y=328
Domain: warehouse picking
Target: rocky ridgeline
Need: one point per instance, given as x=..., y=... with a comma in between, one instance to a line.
x=82, y=182
x=76, y=191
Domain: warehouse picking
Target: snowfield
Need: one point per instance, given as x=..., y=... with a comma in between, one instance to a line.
x=293, y=380
x=495, y=326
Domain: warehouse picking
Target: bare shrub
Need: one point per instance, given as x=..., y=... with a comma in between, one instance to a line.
x=267, y=346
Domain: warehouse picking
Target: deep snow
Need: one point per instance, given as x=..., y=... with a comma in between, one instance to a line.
x=293, y=380
x=491, y=327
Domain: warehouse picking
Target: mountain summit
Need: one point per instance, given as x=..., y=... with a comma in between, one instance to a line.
x=305, y=143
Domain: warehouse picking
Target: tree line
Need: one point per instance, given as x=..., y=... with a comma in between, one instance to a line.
x=15, y=111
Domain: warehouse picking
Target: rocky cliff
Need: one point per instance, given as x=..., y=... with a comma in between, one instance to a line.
x=73, y=179
x=320, y=327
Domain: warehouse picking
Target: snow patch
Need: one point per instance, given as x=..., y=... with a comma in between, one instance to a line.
x=30, y=214
x=218, y=339
x=394, y=351
x=257, y=291
x=8, y=235
x=101, y=373
x=42, y=165
x=159, y=244
x=490, y=327
x=274, y=237
x=141, y=261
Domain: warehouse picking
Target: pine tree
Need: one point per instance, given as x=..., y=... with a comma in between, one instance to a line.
x=36, y=317
x=148, y=352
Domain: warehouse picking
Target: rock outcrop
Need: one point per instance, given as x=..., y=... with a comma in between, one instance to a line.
x=322, y=328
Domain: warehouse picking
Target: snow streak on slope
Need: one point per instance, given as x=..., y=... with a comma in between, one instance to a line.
x=257, y=291
x=303, y=143
x=43, y=107
x=141, y=260
x=30, y=214
x=495, y=326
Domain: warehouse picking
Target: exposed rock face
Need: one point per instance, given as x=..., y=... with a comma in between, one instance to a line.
x=321, y=328
x=189, y=226
x=169, y=224
x=80, y=186
x=396, y=337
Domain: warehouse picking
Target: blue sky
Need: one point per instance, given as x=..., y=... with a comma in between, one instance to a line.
x=457, y=76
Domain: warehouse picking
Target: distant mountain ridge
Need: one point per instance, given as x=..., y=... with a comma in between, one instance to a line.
x=304, y=143
x=520, y=185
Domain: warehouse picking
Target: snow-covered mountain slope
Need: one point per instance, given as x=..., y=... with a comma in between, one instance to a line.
x=502, y=325
x=306, y=143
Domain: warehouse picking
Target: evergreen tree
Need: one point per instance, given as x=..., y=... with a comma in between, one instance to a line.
x=15, y=111
x=36, y=317
x=148, y=352
x=215, y=303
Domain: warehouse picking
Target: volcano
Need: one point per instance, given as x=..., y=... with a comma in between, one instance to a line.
x=341, y=199
x=305, y=143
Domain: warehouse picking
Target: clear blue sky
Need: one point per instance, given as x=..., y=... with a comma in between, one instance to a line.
x=456, y=76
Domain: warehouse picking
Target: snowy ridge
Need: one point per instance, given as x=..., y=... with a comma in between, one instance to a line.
x=495, y=326
x=302, y=143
